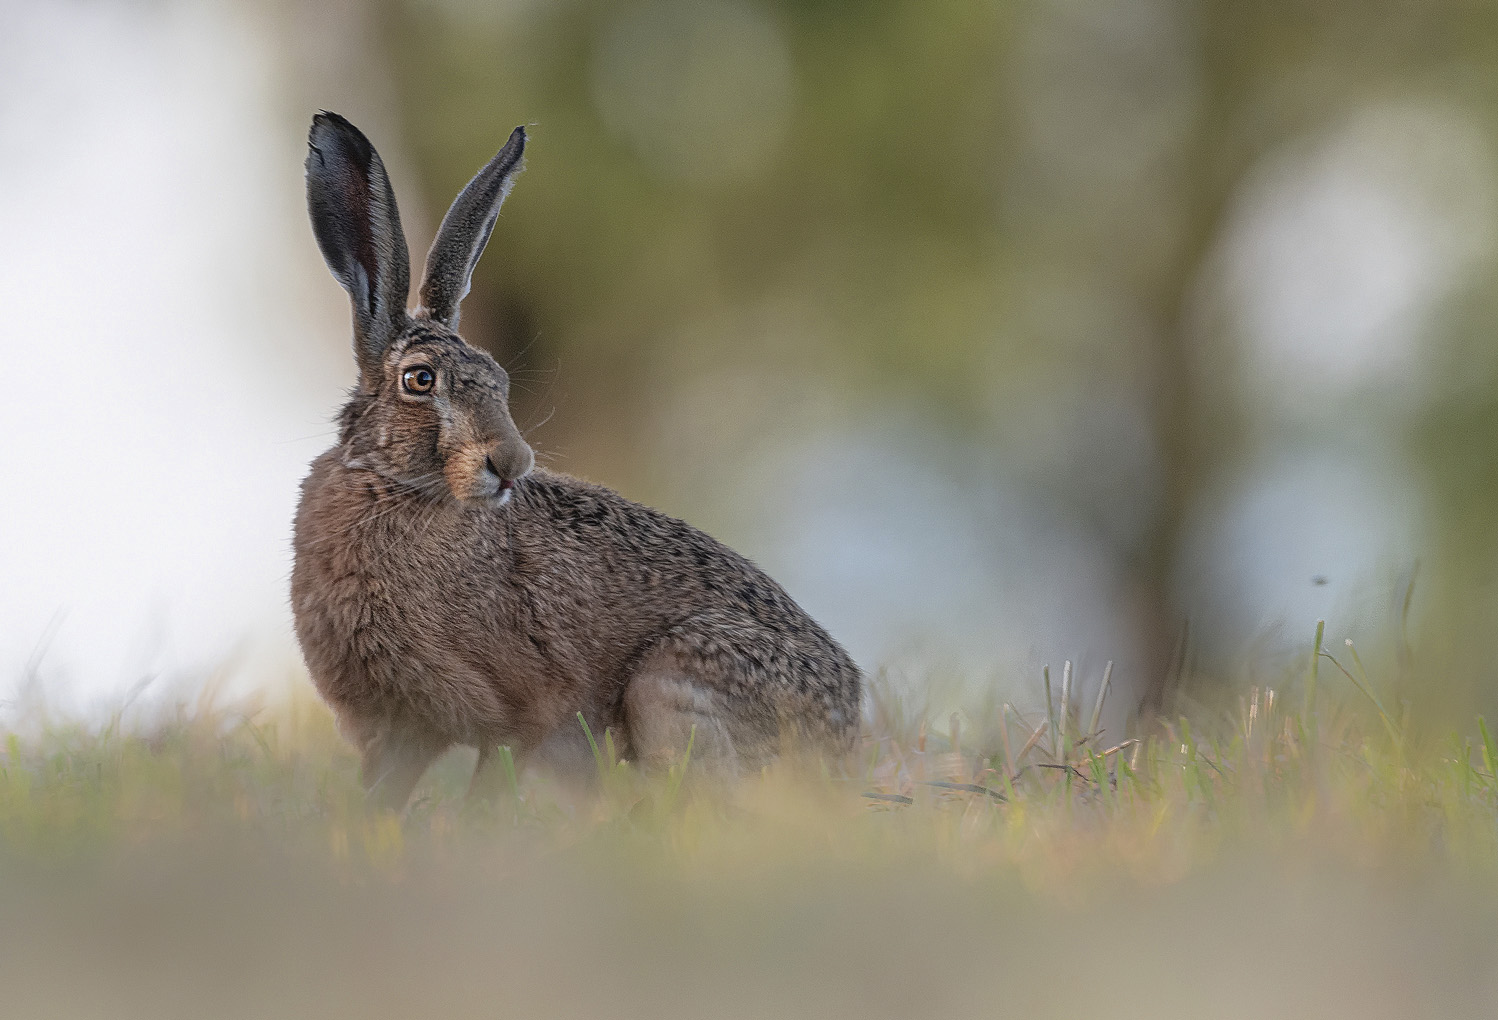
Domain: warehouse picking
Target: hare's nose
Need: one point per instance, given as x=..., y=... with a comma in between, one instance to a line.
x=508, y=465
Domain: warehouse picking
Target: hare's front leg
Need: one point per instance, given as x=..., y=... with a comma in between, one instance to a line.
x=484, y=784
x=490, y=777
x=564, y=754
x=394, y=759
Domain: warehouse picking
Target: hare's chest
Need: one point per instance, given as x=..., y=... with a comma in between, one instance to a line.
x=384, y=646
x=372, y=595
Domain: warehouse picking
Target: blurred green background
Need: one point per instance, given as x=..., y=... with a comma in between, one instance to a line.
x=1000, y=332
x=1163, y=312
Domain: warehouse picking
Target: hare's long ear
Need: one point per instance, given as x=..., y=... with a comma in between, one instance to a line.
x=359, y=231
x=464, y=232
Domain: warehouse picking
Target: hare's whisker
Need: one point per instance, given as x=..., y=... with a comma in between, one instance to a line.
x=531, y=428
x=526, y=349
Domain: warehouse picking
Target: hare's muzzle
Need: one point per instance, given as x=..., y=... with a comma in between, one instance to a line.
x=483, y=453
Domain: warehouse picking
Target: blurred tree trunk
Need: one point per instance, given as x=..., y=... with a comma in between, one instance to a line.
x=1186, y=439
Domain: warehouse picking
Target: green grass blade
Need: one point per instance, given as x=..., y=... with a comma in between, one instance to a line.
x=507, y=762
x=1367, y=692
x=1102, y=695
x=1050, y=708
x=1065, y=709
x=1310, y=706
x=1489, y=749
x=597, y=754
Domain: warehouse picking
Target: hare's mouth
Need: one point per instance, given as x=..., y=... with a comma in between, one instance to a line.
x=500, y=493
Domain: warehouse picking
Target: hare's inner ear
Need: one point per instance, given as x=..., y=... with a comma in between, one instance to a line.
x=358, y=229
x=464, y=232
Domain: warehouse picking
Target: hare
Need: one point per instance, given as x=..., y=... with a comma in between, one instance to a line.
x=446, y=591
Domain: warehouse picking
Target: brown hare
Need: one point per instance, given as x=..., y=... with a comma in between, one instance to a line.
x=446, y=591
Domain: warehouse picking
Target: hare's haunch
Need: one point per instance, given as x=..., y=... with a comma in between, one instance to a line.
x=448, y=592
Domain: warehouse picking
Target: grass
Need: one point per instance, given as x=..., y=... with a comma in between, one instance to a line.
x=1305, y=851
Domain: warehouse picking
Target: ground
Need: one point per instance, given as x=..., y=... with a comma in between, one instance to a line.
x=1296, y=854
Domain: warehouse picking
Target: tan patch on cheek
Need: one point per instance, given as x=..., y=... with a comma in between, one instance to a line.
x=462, y=471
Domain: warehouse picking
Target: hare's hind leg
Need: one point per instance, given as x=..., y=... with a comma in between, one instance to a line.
x=668, y=703
x=664, y=711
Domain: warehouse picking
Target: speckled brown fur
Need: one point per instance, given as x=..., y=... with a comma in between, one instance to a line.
x=446, y=593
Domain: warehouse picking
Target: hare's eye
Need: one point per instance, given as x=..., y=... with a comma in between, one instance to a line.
x=418, y=379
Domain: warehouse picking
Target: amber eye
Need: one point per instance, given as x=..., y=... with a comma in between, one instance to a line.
x=418, y=380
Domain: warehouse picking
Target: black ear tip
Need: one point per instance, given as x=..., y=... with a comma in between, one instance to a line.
x=324, y=120
x=328, y=127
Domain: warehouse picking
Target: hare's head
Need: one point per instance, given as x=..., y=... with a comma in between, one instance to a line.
x=430, y=411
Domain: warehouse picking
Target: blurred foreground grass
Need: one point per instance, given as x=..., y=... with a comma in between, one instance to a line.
x=1297, y=855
